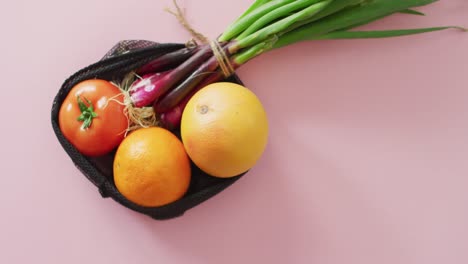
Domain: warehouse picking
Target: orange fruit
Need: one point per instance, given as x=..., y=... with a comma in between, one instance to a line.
x=224, y=129
x=151, y=167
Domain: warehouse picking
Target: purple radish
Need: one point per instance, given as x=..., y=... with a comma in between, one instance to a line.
x=167, y=61
x=142, y=89
x=156, y=85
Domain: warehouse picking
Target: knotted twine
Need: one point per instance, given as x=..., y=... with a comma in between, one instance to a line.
x=218, y=52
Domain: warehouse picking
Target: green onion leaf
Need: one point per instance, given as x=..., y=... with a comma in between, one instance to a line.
x=279, y=26
x=412, y=12
x=244, y=22
x=252, y=7
x=280, y=12
x=379, y=33
x=332, y=8
x=348, y=17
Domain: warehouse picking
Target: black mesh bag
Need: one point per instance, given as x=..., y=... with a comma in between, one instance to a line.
x=121, y=59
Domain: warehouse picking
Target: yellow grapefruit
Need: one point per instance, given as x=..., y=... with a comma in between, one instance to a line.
x=224, y=129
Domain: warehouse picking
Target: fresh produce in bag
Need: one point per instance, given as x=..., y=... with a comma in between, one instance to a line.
x=162, y=127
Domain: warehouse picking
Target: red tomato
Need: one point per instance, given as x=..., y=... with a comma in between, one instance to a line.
x=92, y=117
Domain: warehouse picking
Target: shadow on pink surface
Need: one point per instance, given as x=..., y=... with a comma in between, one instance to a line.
x=362, y=148
x=267, y=215
x=257, y=214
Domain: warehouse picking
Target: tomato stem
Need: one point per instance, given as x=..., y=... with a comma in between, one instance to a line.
x=87, y=112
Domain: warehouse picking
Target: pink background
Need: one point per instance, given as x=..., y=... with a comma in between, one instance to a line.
x=366, y=161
